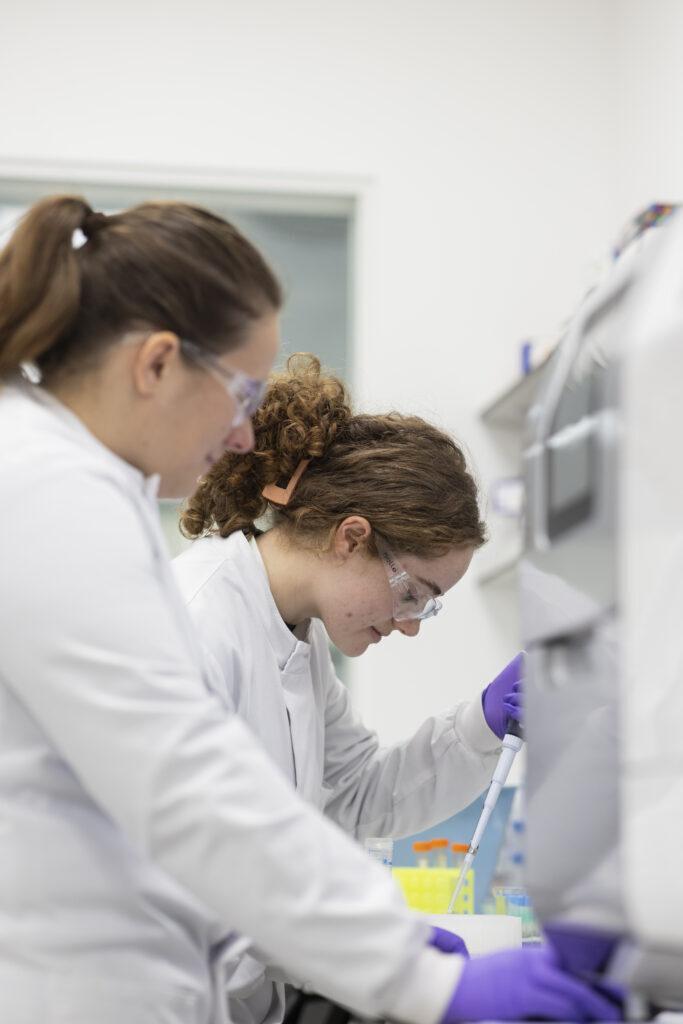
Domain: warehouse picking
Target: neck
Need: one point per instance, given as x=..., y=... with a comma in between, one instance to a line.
x=91, y=403
x=291, y=572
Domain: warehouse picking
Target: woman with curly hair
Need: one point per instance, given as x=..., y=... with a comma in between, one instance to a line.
x=373, y=519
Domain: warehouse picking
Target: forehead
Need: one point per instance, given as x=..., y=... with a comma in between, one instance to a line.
x=257, y=353
x=444, y=571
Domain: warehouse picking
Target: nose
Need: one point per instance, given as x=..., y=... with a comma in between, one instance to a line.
x=409, y=627
x=241, y=438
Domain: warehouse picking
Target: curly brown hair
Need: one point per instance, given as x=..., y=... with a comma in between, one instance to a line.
x=406, y=477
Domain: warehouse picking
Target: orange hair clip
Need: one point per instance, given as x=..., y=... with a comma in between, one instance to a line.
x=282, y=495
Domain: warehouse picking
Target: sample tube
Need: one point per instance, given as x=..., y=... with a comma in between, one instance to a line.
x=440, y=848
x=421, y=851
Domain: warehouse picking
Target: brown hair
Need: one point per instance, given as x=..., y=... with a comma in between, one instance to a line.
x=164, y=266
x=406, y=477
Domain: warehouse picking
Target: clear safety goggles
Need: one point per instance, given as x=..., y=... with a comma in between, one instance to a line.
x=247, y=392
x=412, y=600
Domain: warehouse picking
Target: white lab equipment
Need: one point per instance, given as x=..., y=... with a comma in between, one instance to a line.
x=512, y=744
x=602, y=617
x=482, y=933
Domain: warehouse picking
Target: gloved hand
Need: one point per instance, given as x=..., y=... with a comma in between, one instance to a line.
x=519, y=984
x=586, y=952
x=448, y=942
x=502, y=699
x=579, y=948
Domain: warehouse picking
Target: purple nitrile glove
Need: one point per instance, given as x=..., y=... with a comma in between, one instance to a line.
x=586, y=952
x=448, y=942
x=502, y=699
x=518, y=984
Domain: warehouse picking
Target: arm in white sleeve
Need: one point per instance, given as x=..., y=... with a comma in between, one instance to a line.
x=409, y=786
x=93, y=646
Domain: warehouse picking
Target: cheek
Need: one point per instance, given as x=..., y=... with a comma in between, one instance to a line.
x=209, y=421
x=361, y=607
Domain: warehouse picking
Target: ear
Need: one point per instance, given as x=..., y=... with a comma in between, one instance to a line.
x=153, y=360
x=351, y=536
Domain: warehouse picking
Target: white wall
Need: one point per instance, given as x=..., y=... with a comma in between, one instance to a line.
x=650, y=109
x=487, y=132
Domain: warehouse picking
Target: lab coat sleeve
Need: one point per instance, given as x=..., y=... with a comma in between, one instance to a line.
x=106, y=673
x=404, y=788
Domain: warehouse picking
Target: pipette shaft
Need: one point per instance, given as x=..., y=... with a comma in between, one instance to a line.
x=467, y=863
x=511, y=745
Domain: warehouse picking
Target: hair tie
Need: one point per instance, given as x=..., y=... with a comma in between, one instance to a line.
x=92, y=223
x=282, y=495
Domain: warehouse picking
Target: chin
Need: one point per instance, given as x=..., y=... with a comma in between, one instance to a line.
x=351, y=647
x=354, y=648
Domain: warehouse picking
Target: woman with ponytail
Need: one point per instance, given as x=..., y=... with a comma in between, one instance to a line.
x=142, y=826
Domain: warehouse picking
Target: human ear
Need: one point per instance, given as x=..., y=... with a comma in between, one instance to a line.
x=351, y=536
x=153, y=359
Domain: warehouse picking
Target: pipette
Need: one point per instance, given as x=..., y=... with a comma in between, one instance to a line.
x=512, y=744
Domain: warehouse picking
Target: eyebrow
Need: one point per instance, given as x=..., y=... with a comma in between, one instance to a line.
x=436, y=591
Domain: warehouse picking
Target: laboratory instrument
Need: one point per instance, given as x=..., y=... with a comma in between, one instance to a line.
x=512, y=744
x=602, y=608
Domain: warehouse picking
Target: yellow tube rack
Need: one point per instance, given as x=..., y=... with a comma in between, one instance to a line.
x=430, y=889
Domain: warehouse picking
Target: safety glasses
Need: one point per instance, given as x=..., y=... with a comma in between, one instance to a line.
x=412, y=600
x=247, y=392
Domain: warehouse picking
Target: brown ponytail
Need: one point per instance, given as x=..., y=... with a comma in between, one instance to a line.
x=409, y=479
x=40, y=281
x=158, y=265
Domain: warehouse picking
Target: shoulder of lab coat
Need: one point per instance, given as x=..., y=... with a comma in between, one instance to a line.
x=224, y=581
x=403, y=788
x=225, y=587
x=110, y=678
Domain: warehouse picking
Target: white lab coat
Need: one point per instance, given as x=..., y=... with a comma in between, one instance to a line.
x=285, y=687
x=143, y=828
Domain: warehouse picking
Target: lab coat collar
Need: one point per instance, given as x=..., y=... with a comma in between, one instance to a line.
x=149, y=485
x=287, y=647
